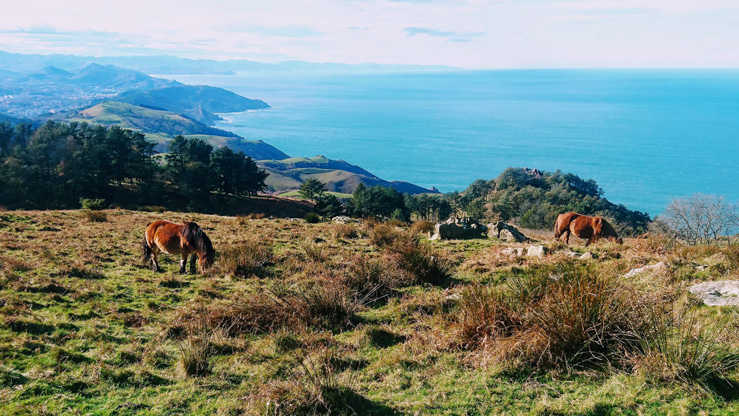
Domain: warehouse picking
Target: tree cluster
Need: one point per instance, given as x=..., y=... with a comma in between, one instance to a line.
x=533, y=199
x=57, y=164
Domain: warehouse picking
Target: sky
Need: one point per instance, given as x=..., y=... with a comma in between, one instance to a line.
x=464, y=33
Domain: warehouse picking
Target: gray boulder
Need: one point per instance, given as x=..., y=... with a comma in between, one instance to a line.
x=720, y=293
x=506, y=232
x=457, y=230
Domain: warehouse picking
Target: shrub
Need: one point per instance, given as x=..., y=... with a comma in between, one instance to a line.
x=92, y=204
x=312, y=218
x=153, y=208
x=422, y=227
x=95, y=216
x=246, y=259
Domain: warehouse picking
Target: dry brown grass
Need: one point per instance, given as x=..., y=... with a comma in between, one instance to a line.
x=245, y=259
x=95, y=216
x=422, y=227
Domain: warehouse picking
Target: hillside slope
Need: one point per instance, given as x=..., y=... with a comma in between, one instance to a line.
x=339, y=176
x=161, y=126
x=199, y=102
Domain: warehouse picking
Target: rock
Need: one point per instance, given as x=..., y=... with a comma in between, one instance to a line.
x=537, y=251
x=652, y=268
x=588, y=256
x=506, y=232
x=457, y=230
x=720, y=293
x=341, y=219
x=571, y=254
x=514, y=252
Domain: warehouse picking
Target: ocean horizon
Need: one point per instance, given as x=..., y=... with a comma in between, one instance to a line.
x=645, y=135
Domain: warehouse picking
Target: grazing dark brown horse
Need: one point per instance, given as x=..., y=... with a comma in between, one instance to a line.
x=172, y=238
x=589, y=228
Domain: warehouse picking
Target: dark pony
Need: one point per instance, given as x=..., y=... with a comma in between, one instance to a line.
x=171, y=238
x=583, y=226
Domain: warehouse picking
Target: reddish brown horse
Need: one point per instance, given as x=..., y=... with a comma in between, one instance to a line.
x=172, y=238
x=589, y=228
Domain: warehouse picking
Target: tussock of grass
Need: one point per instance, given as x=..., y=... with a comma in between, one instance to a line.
x=246, y=259
x=95, y=216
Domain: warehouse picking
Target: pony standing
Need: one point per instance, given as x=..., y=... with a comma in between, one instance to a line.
x=589, y=228
x=172, y=238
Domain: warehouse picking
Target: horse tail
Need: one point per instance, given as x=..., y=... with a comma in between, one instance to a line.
x=557, y=231
x=146, y=250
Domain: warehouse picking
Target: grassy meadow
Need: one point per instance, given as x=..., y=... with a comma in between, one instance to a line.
x=363, y=318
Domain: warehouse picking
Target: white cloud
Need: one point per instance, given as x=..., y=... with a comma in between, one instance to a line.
x=471, y=33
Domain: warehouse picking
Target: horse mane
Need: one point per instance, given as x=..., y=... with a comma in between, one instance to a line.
x=607, y=230
x=197, y=238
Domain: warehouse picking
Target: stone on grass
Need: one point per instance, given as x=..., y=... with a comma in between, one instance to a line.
x=661, y=266
x=720, y=293
x=537, y=251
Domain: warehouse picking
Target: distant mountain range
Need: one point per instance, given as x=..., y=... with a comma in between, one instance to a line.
x=166, y=64
x=72, y=89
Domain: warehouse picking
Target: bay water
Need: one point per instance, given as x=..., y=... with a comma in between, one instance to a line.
x=646, y=136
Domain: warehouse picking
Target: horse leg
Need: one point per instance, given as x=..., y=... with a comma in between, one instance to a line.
x=183, y=263
x=567, y=237
x=193, y=260
x=154, y=254
x=588, y=241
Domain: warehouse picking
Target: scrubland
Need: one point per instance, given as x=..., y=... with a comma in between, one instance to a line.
x=362, y=318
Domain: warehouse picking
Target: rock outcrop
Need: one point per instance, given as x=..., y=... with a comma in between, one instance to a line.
x=506, y=232
x=455, y=229
x=720, y=293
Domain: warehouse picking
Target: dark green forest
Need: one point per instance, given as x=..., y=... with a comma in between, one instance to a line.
x=527, y=197
x=58, y=164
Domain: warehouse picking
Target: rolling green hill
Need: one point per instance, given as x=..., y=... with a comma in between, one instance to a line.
x=160, y=126
x=199, y=102
x=339, y=176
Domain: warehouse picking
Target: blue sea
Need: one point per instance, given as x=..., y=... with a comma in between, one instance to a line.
x=646, y=136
